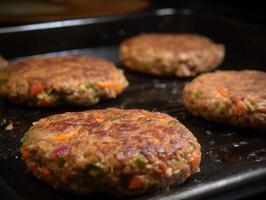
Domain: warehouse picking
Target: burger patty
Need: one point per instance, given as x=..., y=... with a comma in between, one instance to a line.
x=114, y=151
x=233, y=97
x=180, y=55
x=48, y=81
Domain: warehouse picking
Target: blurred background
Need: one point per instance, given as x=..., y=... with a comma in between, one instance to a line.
x=15, y=12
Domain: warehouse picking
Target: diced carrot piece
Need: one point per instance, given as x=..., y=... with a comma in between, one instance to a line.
x=63, y=137
x=187, y=173
x=157, y=141
x=46, y=174
x=163, y=167
x=98, y=117
x=194, y=160
x=42, y=122
x=103, y=145
x=162, y=116
x=106, y=85
x=37, y=89
x=135, y=183
x=223, y=92
x=25, y=153
x=44, y=171
x=10, y=126
x=239, y=107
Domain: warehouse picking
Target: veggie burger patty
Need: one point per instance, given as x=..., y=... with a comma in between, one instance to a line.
x=115, y=151
x=181, y=55
x=234, y=97
x=48, y=81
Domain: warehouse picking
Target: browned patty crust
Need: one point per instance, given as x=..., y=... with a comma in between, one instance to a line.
x=234, y=97
x=181, y=55
x=115, y=151
x=48, y=81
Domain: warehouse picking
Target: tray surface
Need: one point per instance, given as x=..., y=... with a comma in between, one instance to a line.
x=232, y=158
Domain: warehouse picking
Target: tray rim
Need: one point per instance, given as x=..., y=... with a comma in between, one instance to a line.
x=218, y=186
x=103, y=19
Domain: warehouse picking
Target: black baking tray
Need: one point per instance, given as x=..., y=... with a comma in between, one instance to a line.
x=233, y=159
